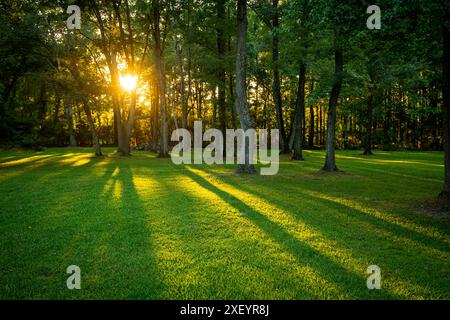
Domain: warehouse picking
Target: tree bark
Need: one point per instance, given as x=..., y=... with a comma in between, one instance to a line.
x=445, y=194
x=182, y=85
x=95, y=141
x=241, y=77
x=69, y=117
x=221, y=68
x=164, y=150
x=276, y=87
x=311, y=121
x=298, y=118
x=330, y=160
x=369, y=125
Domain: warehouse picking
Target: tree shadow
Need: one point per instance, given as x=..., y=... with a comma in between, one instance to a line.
x=340, y=214
x=81, y=224
x=304, y=254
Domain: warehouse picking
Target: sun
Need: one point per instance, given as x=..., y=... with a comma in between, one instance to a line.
x=128, y=82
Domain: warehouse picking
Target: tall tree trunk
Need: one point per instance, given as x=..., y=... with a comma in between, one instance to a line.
x=123, y=147
x=69, y=117
x=330, y=161
x=182, y=84
x=164, y=150
x=319, y=126
x=155, y=108
x=345, y=131
x=311, y=121
x=95, y=141
x=241, y=80
x=299, y=112
x=232, y=102
x=445, y=194
x=221, y=68
x=369, y=125
x=276, y=86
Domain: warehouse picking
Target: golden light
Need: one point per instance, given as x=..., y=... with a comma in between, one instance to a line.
x=128, y=82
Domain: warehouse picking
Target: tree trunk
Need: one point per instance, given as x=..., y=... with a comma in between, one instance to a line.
x=311, y=122
x=276, y=87
x=345, y=132
x=232, y=103
x=221, y=68
x=164, y=150
x=182, y=85
x=241, y=77
x=369, y=125
x=95, y=141
x=69, y=117
x=330, y=161
x=299, y=112
x=123, y=147
x=445, y=194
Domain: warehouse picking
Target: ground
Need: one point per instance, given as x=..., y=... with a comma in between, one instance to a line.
x=141, y=227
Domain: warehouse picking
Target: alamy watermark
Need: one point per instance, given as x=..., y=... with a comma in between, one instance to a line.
x=256, y=142
x=74, y=20
x=74, y=280
x=374, y=280
x=374, y=20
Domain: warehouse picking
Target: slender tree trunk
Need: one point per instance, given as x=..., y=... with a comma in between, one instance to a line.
x=319, y=126
x=241, y=77
x=330, y=161
x=345, y=132
x=445, y=194
x=299, y=111
x=276, y=87
x=182, y=85
x=155, y=108
x=161, y=82
x=69, y=117
x=369, y=125
x=311, y=121
x=232, y=102
x=95, y=141
x=221, y=68
x=123, y=147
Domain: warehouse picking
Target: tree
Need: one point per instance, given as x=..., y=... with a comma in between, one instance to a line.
x=445, y=194
x=299, y=110
x=245, y=117
x=161, y=78
x=330, y=161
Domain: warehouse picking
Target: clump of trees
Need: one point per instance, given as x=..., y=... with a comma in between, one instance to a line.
x=311, y=69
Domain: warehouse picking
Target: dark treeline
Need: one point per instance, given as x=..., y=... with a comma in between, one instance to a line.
x=313, y=70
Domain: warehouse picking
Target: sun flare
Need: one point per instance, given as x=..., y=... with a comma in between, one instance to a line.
x=128, y=82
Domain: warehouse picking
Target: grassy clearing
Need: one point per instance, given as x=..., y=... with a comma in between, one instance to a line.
x=144, y=228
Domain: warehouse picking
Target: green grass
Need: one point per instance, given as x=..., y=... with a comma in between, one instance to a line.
x=143, y=228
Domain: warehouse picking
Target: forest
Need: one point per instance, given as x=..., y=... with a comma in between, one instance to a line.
x=137, y=70
x=93, y=86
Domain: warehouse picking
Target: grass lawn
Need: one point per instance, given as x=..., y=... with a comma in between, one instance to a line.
x=143, y=228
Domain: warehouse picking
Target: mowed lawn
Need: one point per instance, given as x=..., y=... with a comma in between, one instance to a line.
x=144, y=228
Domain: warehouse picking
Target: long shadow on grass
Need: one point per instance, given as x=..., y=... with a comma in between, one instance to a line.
x=126, y=261
x=108, y=238
x=341, y=212
x=305, y=255
x=342, y=209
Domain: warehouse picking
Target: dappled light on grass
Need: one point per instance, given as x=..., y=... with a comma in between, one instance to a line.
x=176, y=262
x=291, y=226
x=144, y=228
x=342, y=256
x=22, y=161
x=396, y=220
x=387, y=161
x=262, y=248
